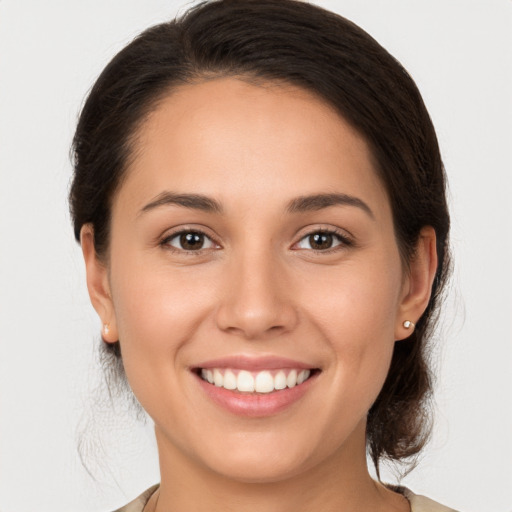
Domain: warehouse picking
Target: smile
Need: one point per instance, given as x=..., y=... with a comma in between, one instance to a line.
x=265, y=381
x=255, y=387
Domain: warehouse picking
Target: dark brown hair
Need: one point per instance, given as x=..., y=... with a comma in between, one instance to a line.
x=301, y=44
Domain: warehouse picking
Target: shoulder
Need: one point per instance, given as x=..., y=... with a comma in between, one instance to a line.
x=418, y=503
x=138, y=504
x=422, y=503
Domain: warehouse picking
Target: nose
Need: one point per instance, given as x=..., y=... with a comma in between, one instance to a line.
x=256, y=302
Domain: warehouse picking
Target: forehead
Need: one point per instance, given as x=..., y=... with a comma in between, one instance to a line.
x=236, y=140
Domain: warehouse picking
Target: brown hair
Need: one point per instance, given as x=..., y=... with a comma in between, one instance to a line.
x=301, y=44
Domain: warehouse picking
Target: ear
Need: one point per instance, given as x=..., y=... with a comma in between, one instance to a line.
x=417, y=287
x=98, y=285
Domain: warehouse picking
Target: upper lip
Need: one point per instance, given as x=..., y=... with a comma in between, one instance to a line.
x=254, y=363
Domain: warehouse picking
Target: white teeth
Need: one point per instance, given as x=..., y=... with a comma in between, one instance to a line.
x=218, y=378
x=260, y=382
x=229, y=380
x=280, y=380
x=245, y=381
x=264, y=383
x=291, y=380
x=303, y=375
x=207, y=375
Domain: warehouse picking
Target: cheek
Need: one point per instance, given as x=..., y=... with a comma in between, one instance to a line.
x=157, y=309
x=157, y=313
x=356, y=314
x=356, y=304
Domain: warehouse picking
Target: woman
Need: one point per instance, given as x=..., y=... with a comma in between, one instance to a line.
x=260, y=201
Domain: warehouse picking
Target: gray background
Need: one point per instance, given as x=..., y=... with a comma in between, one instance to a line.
x=459, y=52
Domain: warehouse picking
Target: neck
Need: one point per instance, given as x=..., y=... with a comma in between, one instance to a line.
x=341, y=483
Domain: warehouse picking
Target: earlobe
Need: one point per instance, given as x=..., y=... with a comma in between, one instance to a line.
x=98, y=285
x=418, y=284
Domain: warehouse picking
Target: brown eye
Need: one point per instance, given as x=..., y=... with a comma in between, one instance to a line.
x=323, y=241
x=189, y=241
x=319, y=241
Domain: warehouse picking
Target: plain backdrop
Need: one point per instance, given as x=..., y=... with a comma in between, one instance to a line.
x=460, y=54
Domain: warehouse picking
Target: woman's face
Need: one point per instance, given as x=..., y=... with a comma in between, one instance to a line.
x=252, y=243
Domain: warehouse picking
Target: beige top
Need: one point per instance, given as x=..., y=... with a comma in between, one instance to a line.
x=418, y=503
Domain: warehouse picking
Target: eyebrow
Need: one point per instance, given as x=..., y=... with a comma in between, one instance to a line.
x=321, y=201
x=193, y=201
x=300, y=204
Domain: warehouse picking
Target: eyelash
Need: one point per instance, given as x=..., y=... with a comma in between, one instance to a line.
x=344, y=241
x=165, y=243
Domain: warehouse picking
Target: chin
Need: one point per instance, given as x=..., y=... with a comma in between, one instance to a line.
x=254, y=462
x=259, y=471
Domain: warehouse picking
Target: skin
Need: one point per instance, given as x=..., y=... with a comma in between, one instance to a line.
x=257, y=288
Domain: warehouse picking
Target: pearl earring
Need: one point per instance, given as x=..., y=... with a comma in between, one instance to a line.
x=106, y=328
x=408, y=324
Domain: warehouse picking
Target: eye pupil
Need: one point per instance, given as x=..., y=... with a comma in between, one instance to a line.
x=191, y=241
x=321, y=240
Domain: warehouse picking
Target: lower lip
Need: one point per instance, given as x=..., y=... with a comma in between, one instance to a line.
x=256, y=405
